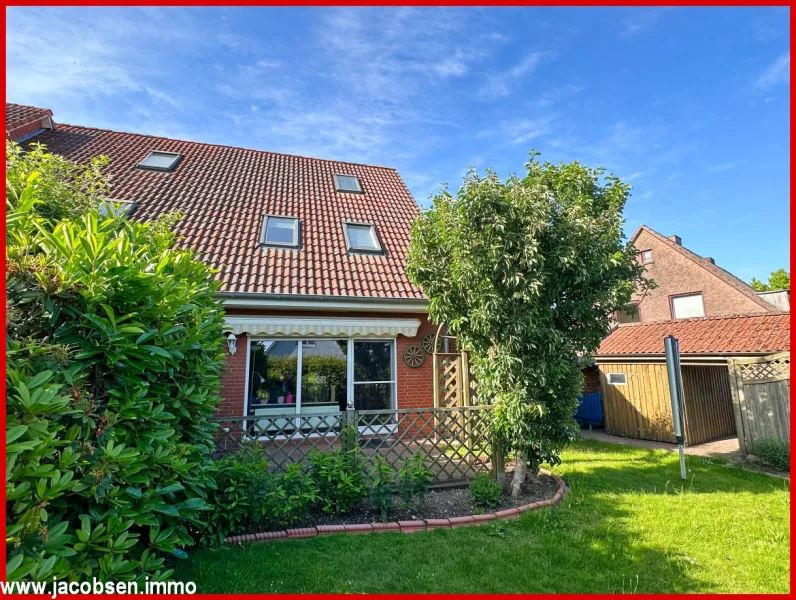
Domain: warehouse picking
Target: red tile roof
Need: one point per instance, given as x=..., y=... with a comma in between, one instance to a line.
x=736, y=334
x=224, y=192
x=22, y=120
x=740, y=285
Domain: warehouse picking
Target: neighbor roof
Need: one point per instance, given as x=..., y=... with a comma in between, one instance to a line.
x=736, y=334
x=22, y=120
x=224, y=192
x=722, y=274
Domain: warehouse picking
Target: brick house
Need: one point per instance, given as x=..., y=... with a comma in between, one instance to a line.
x=689, y=285
x=310, y=253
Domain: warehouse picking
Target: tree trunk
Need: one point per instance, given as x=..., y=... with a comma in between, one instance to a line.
x=520, y=471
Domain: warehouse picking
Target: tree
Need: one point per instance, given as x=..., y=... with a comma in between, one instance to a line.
x=527, y=274
x=778, y=280
x=114, y=351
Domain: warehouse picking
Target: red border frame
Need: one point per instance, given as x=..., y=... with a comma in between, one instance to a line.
x=578, y=3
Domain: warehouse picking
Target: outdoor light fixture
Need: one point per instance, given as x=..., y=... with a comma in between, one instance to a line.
x=232, y=343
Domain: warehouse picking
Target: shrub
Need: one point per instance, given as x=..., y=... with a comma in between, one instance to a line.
x=338, y=475
x=242, y=481
x=64, y=189
x=484, y=492
x=114, y=351
x=382, y=491
x=290, y=497
x=414, y=479
x=773, y=452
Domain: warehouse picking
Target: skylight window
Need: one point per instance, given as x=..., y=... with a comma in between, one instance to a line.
x=347, y=183
x=160, y=161
x=282, y=232
x=361, y=237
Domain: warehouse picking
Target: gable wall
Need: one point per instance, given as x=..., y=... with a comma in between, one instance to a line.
x=676, y=274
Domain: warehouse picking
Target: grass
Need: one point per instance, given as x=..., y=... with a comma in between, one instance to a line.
x=629, y=525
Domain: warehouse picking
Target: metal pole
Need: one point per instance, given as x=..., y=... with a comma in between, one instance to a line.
x=672, y=347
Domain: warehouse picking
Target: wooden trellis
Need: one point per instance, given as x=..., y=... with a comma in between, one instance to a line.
x=453, y=383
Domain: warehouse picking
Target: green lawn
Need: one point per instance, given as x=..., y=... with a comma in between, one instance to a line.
x=629, y=525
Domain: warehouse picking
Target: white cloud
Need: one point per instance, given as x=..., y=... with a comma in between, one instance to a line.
x=641, y=20
x=777, y=72
x=729, y=166
x=499, y=85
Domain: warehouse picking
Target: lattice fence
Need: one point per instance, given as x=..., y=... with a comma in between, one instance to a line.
x=456, y=443
x=760, y=389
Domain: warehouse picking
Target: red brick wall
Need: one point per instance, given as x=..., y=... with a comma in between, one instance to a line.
x=415, y=386
x=233, y=381
x=676, y=274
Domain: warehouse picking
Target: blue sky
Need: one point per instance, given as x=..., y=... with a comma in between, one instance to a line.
x=690, y=105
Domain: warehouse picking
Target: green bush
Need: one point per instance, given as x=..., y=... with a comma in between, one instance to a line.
x=290, y=497
x=338, y=475
x=414, y=479
x=484, y=492
x=242, y=481
x=382, y=483
x=773, y=452
x=114, y=352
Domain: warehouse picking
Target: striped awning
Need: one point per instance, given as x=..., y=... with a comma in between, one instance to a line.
x=322, y=326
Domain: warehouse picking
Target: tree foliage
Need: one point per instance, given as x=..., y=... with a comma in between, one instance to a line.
x=527, y=274
x=63, y=188
x=114, y=351
x=778, y=280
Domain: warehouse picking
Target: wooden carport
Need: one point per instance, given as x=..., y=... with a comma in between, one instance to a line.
x=635, y=386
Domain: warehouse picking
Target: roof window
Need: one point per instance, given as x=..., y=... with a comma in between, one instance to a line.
x=347, y=183
x=160, y=161
x=280, y=232
x=361, y=237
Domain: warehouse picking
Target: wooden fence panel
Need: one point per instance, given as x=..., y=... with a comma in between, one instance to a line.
x=761, y=397
x=642, y=408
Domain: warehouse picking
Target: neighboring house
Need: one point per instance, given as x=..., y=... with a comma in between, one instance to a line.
x=688, y=285
x=635, y=384
x=310, y=253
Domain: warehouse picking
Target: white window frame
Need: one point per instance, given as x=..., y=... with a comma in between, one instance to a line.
x=309, y=343
x=177, y=157
x=674, y=299
x=296, y=228
x=349, y=376
x=339, y=188
x=362, y=249
x=643, y=259
x=608, y=377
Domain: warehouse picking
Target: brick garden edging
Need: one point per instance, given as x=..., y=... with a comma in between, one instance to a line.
x=404, y=526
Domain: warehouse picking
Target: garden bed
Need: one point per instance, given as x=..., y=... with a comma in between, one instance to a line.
x=432, y=511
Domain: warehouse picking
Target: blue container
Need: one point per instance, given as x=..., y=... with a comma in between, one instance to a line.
x=590, y=409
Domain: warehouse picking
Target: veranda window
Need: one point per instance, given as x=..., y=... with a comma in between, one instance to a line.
x=322, y=376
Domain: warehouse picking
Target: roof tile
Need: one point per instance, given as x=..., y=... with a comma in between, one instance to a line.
x=735, y=334
x=224, y=192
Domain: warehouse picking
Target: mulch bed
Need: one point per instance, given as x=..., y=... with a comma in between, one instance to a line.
x=440, y=503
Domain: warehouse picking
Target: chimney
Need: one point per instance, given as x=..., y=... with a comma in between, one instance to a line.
x=676, y=239
x=710, y=260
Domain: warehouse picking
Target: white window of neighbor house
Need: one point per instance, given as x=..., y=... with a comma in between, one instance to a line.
x=646, y=256
x=616, y=378
x=686, y=307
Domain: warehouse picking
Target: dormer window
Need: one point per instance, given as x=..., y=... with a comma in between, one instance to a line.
x=280, y=232
x=361, y=237
x=347, y=183
x=118, y=208
x=160, y=161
